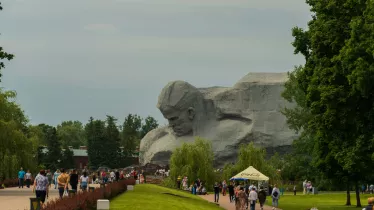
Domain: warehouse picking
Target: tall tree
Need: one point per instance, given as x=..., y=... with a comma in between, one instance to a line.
x=95, y=142
x=71, y=133
x=336, y=80
x=149, y=124
x=67, y=160
x=54, y=154
x=112, y=143
x=131, y=133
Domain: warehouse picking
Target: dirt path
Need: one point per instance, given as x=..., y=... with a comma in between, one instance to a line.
x=224, y=202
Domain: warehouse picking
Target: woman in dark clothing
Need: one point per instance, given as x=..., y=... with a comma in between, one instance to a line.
x=74, y=180
x=262, y=197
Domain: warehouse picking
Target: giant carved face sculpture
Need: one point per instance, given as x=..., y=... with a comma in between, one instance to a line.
x=181, y=121
x=177, y=102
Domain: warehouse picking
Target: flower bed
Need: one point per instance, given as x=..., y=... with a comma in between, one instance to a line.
x=9, y=183
x=87, y=200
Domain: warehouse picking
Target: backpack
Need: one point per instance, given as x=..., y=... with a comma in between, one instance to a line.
x=275, y=194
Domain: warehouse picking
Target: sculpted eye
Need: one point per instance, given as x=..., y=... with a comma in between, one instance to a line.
x=173, y=118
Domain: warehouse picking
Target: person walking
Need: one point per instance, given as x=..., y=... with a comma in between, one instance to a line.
x=242, y=199
x=62, y=182
x=49, y=177
x=262, y=197
x=28, y=178
x=73, y=180
x=231, y=192
x=117, y=175
x=55, y=176
x=41, y=186
x=224, y=187
x=294, y=190
x=216, y=192
x=84, y=179
x=275, y=196
x=252, y=198
x=21, y=177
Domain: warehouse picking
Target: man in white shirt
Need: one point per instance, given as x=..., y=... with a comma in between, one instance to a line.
x=112, y=176
x=252, y=198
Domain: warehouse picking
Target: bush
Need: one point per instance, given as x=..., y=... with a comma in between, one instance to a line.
x=168, y=182
x=9, y=183
x=87, y=200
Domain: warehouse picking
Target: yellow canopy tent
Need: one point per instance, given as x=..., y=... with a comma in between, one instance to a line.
x=250, y=174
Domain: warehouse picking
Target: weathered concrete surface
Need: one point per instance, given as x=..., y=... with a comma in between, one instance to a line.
x=228, y=116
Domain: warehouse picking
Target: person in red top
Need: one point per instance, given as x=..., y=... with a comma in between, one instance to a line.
x=103, y=176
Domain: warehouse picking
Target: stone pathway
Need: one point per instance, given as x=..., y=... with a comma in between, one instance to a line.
x=224, y=202
x=15, y=198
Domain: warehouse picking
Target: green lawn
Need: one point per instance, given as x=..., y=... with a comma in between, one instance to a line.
x=321, y=201
x=148, y=196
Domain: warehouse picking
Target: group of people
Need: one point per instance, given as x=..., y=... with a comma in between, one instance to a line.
x=367, y=189
x=245, y=196
x=196, y=188
x=43, y=180
x=307, y=188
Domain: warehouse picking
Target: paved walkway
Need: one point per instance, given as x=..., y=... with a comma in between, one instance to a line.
x=14, y=198
x=224, y=202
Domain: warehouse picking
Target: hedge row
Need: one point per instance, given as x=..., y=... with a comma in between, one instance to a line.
x=9, y=183
x=87, y=200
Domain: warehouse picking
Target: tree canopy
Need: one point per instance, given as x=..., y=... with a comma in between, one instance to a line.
x=333, y=90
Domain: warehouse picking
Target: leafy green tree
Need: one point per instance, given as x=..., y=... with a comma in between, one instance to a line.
x=67, y=159
x=71, y=133
x=249, y=155
x=131, y=133
x=194, y=161
x=336, y=81
x=149, y=124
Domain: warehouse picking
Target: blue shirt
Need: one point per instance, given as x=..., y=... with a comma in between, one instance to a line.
x=21, y=174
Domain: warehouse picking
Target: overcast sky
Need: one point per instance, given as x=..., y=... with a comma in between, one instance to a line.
x=81, y=58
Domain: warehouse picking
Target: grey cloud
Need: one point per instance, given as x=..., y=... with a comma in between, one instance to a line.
x=92, y=57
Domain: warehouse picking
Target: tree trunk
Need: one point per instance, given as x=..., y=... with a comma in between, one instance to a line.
x=348, y=202
x=358, y=195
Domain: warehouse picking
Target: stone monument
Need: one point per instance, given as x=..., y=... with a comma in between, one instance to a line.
x=228, y=116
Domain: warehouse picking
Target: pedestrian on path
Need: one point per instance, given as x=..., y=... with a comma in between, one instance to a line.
x=262, y=197
x=28, y=178
x=41, y=186
x=216, y=192
x=73, y=180
x=252, y=199
x=231, y=192
x=242, y=199
x=62, y=182
x=55, y=176
x=84, y=181
x=49, y=177
x=21, y=176
x=275, y=195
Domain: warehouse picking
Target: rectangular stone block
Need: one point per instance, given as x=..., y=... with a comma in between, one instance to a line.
x=137, y=182
x=130, y=187
x=102, y=204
